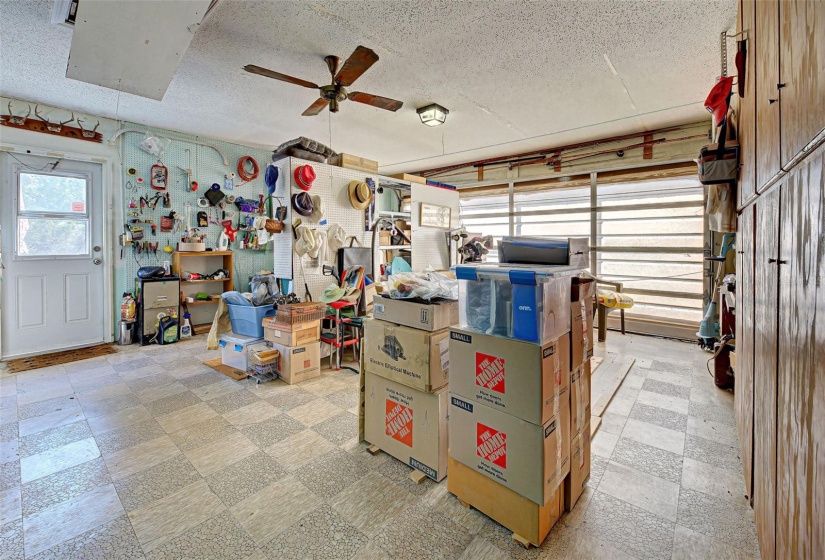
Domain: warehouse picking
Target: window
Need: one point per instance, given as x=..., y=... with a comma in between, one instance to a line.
x=52, y=215
x=648, y=234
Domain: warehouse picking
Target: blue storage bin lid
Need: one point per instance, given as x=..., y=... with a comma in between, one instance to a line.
x=513, y=273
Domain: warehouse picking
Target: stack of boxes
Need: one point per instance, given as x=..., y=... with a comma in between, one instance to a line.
x=298, y=343
x=512, y=416
x=406, y=364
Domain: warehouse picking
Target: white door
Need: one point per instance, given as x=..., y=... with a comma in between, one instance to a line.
x=53, y=294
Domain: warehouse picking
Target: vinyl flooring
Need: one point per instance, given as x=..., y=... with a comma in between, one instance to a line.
x=149, y=454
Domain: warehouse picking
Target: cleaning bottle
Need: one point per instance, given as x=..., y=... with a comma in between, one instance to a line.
x=186, y=328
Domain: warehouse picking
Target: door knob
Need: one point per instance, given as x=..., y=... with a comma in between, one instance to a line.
x=97, y=261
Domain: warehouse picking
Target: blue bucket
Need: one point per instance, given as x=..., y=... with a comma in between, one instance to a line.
x=247, y=320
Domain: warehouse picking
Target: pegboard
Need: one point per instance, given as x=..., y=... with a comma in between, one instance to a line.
x=331, y=185
x=207, y=166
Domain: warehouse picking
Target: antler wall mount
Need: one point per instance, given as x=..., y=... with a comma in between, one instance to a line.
x=333, y=94
x=44, y=125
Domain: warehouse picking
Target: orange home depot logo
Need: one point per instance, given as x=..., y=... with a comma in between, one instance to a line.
x=399, y=420
x=307, y=363
x=490, y=372
x=491, y=445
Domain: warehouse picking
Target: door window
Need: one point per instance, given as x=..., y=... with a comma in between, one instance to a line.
x=52, y=215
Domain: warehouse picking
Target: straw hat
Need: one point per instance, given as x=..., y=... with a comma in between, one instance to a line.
x=360, y=194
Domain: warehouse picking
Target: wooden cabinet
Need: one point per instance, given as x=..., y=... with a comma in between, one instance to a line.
x=743, y=396
x=766, y=282
x=800, y=491
x=802, y=73
x=747, y=108
x=203, y=263
x=766, y=41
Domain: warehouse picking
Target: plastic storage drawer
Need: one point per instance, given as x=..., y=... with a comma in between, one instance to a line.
x=235, y=350
x=525, y=303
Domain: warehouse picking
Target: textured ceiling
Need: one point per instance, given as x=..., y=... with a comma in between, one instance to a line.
x=514, y=75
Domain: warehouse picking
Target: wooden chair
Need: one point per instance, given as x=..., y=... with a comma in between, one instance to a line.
x=602, y=310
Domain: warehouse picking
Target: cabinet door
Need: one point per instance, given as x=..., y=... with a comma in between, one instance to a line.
x=802, y=73
x=765, y=303
x=767, y=91
x=747, y=107
x=800, y=489
x=743, y=395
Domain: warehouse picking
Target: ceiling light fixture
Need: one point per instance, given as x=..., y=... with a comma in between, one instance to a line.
x=433, y=114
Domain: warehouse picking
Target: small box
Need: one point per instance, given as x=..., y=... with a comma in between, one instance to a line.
x=235, y=351
x=412, y=357
x=408, y=424
x=273, y=323
x=530, y=459
x=510, y=509
x=582, y=288
x=579, y=398
x=288, y=337
x=527, y=303
x=430, y=316
x=522, y=379
x=410, y=178
x=581, y=333
x=299, y=363
x=354, y=162
x=579, y=468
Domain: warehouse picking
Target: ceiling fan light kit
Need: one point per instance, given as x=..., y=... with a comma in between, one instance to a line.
x=433, y=114
x=333, y=94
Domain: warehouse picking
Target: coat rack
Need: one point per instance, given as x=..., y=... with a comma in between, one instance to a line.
x=40, y=124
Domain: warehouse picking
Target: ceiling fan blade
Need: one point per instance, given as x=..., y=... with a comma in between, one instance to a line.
x=358, y=62
x=376, y=101
x=319, y=105
x=278, y=76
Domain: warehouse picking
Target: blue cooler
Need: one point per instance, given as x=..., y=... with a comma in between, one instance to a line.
x=526, y=303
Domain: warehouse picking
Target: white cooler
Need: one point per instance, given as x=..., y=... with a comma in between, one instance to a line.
x=234, y=349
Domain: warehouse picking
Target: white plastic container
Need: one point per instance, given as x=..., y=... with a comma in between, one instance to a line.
x=525, y=302
x=234, y=350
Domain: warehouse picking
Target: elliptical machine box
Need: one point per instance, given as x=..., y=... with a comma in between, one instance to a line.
x=416, y=358
x=430, y=316
x=529, y=459
x=409, y=425
x=522, y=379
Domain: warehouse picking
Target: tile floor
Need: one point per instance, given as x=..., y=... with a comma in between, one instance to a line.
x=149, y=454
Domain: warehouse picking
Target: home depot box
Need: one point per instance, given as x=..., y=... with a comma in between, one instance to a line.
x=282, y=333
x=579, y=398
x=299, y=363
x=431, y=316
x=416, y=358
x=409, y=425
x=522, y=379
x=579, y=468
x=510, y=509
x=529, y=459
x=581, y=332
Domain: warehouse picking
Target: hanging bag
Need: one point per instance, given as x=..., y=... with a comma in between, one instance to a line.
x=354, y=256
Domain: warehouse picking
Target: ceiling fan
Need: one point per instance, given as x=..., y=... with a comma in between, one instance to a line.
x=359, y=62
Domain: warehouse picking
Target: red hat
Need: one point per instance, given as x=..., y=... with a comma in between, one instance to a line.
x=718, y=100
x=304, y=176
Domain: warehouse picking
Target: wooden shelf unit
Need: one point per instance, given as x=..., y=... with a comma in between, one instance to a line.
x=221, y=259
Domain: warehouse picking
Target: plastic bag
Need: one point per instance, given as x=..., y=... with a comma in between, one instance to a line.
x=264, y=288
x=427, y=286
x=154, y=145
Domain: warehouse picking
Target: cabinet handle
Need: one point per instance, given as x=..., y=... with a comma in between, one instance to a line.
x=741, y=252
x=772, y=101
x=780, y=86
x=771, y=261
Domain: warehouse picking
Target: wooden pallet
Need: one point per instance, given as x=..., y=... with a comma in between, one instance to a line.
x=235, y=374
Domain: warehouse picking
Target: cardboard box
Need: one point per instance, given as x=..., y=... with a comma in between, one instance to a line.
x=582, y=288
x=272, y=323
x=432, y=316
x=525, y=518
x=287, y=337
x=408, y=424
x=529, y=459
x=412, y=357
x=410, y=178
x=354, y=162
x=299, y=363
x=579, y=399
x=581, y=333
x=579, y=468
x=522, y=379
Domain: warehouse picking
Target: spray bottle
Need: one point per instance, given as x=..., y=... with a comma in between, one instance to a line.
x=186, y=328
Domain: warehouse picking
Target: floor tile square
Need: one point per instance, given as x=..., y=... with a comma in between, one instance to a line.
x=659, y=416
x=720, y=518
x=107, y=406
x=11, y=540
x=172, y=403
x=265, y=434
x=648, y=459
x=118, y=419
x=339, y=428
x=59, y=404
x=690, y=545
x=131, y=460
x=714, y=453
x=253, y=413
x=9, y=474
x=713, y=431
x=723, y=415
x=186, y=417
x=655, y=436
x=643, y=490
x=218, y=538
x=288, y=397
x=64, y=485
x=244, y=478
x=54, y=437
x=714, y=481
x=659, y=400
x=233, y=401
x=49, y=421
x=603, y=443
x=314, y=412
x=152, y=394
x=210, y=430
x=298, y=449
x=329, y=474
x=57, y=459
x=320, y=534
x=370, y=502
x=219, y=454
x=10, y=505
x=156, y=482
x=100, y=543
x=421, y=533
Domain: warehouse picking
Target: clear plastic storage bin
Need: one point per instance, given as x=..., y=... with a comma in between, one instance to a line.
x=235, y=349
x=529, y=303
